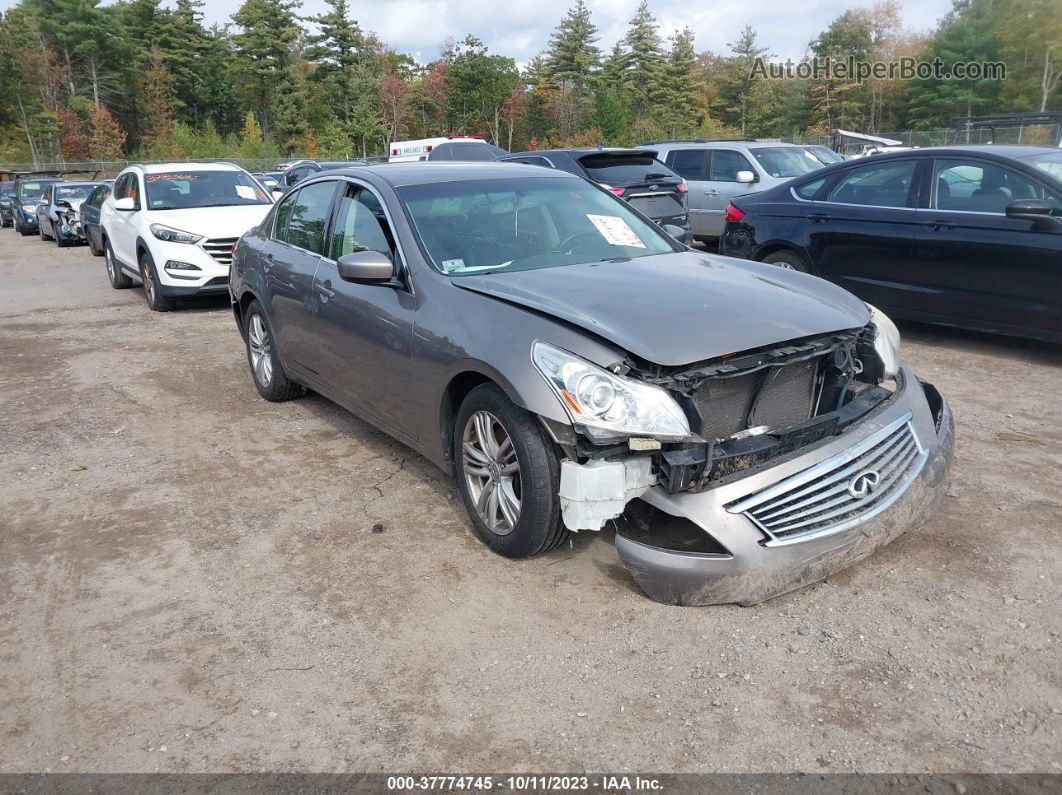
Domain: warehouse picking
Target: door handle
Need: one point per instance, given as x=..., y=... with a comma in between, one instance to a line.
x=326, y=290
x=818, y=218
x=936, y=226
x=711, y=193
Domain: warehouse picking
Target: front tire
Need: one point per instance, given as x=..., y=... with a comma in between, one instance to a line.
x=117, y=277
x=60, y=241
x=156, y=301
x=787, y=259
x=268, y=373
x=40, y=230
x=508, y=473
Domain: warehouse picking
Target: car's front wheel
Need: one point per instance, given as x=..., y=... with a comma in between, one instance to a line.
x=119, y=280
x=508, y=473
x=60, y=241
x=156, y=301
x=270, y=379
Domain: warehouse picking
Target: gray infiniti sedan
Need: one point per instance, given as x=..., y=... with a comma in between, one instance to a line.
x=744, y=429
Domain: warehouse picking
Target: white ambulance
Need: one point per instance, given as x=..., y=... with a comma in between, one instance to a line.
x=451, y=147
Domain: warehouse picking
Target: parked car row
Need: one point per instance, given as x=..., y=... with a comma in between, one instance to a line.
x=541, y=334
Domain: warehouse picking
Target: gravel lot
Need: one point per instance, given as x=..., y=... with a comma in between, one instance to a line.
x=190, y=580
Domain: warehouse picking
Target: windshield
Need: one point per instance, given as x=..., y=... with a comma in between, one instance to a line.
x=32, y=190
x=785, y=161
x=1050, y=163
x=824, y=154
x=71, y=193
x=481, y=226
x=626, y=169
x=184, y=189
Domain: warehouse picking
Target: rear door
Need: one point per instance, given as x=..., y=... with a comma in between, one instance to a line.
x=692, y=165
x=977, y=265
x=862, y=235
x=289, y=262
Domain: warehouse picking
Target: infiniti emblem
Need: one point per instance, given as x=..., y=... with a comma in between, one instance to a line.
x=654, y=187
x=863, y=483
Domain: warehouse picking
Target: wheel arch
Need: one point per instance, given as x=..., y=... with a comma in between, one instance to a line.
x=775, y=246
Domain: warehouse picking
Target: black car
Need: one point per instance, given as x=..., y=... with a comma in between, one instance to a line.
x=7, y=203
x=634, y=175
x=29, y=190
x=301, y=169
x=90, y=217
x=968, y=236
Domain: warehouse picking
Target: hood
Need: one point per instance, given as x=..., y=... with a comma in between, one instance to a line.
x=212, y=222
x=676, y=309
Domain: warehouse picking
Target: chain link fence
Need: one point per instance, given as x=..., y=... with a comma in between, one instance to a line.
x=110, y=168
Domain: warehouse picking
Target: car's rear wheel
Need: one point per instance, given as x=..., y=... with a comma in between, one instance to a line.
x=156, y=301
x=119, y=280
x=94, y=250
x=787, y=259
x=508, y=473
x=22, y=230
x=268, y=373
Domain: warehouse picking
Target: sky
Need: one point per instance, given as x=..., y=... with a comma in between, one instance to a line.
x=521, y=30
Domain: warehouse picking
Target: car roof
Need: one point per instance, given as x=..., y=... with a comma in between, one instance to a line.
x=426, y=172
x=584, y=150
x=718, y=144
x=163, y=168
x=1003, y=151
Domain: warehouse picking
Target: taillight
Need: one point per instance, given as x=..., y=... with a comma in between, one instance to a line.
x=614, y=191
x=681, y=187
x=394, y=151
x=733, y=213
x=428, y=147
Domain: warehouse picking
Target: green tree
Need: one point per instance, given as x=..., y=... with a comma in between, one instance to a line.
x=478, y=85
x=265, y=52
x=570, y=63
x=679, y=91
x=644, y=61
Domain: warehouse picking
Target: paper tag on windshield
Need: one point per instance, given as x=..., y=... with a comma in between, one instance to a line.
x=245, y=191
x=451, y=265
x=615, y=230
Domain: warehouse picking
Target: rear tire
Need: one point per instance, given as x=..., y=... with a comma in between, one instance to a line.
x=508, y=473
x=787, y=259
x=156, y=301
x=117, y=277
x=96, y=252
x=268, y=373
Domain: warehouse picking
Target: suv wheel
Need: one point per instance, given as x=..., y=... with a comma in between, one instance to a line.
x=269, y=377
x=156, y=301
x=508, y=473
x=117, y=277
x=787, y=259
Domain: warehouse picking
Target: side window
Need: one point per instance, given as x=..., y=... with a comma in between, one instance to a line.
x=688, y=163
x=977, y=186
x=305, y=224
x=120, y=186
x=809, y=189
x=361, y=225
x=94, y=198
x=47, y=197
x=726, y=163
x=878, y=185
x=281, y=216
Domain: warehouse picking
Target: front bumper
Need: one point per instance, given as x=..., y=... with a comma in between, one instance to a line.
x=211, y=278
x=750, y=571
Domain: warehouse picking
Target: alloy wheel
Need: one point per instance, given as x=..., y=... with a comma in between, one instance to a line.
x=259, y=345
x=149, y=283
x=109, y=259
x=491, y=471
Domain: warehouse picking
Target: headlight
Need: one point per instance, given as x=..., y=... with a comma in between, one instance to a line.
x=886, y=341
x=173, y=235
x=605, y=406
x=29, y=208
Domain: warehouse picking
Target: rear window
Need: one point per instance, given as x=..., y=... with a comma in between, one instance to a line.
x=466, y=152
x=626, y=169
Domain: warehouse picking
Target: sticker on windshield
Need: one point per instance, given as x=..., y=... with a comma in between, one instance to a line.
x=615, y=230
x=451, y=265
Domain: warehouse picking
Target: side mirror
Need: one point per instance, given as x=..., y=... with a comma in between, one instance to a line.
x=125, y=204
x=369, y=267
x=746, y=177
x=1037, y=211
x=676, y=232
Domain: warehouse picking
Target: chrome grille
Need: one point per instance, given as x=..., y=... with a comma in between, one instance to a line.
x=841, y=491
x=787, y=398
x=220, y=248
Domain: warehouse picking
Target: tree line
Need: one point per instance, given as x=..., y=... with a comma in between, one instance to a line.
x=83, y=81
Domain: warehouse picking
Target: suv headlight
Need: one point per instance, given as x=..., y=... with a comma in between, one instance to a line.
x=886, y=341
x=171, y=235
x=29, y=208
x=605, y=406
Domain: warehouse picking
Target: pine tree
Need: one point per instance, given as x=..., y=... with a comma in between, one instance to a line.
x=746, y=52
x=264, y=53
x=645, y=60
x=679, y=86
x=570, y=63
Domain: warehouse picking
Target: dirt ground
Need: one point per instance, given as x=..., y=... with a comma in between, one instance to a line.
x=190, y=581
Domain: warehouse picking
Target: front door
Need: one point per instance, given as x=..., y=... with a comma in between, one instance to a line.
x=364, y=332
x=692, y=165
x=722, y=186
x=981, y=266
x=862, y=235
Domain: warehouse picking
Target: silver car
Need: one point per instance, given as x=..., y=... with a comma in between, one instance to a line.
x=717, y=171
x=744, y=429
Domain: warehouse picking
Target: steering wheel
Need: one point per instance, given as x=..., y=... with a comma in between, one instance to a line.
x=566, y=245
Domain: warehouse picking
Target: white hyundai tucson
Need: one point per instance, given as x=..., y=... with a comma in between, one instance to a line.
x=172, y=227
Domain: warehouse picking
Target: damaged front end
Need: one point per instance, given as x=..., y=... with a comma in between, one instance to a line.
x=796, y=461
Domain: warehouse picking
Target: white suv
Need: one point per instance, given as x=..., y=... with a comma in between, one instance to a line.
x=173, y=227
